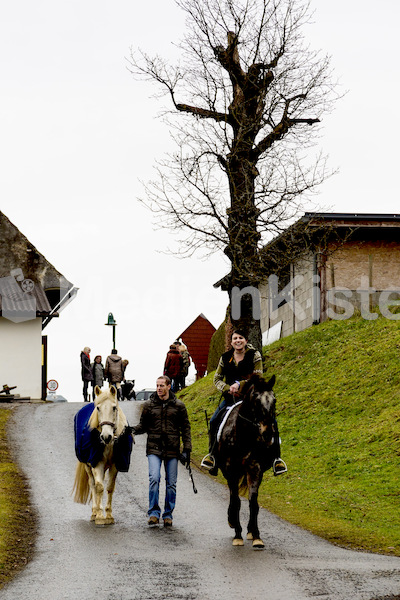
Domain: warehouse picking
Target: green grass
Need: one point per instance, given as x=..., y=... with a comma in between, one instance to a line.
x=17, y=521
x=338, y=406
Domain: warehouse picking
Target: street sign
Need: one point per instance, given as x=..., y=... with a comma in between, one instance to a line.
x=52, y=385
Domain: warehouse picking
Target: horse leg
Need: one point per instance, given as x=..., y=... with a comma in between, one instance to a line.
x=112, y=475
x=91, y=482
x=253, y=532
x=233, y=512
x=97, y=509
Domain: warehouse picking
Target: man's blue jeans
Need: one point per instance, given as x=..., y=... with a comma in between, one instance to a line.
x=171, y=474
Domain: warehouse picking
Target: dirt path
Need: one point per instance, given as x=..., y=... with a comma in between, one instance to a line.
x=194, y=560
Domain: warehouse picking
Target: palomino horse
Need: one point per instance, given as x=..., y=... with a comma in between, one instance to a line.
x=244, y=451
x=103, y=442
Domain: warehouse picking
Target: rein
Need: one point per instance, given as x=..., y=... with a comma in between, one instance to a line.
x=245, y=418
x=249, y=421
x=254, y=423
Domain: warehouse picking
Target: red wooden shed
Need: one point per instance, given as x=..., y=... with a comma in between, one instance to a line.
x=197, y=338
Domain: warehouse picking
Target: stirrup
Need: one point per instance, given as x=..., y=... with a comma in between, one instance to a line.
x=208, y=462
x=278, y=462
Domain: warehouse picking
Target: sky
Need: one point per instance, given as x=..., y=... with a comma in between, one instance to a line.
x=79, y=136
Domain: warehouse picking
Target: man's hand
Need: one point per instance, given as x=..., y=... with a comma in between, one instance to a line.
x=185, y=458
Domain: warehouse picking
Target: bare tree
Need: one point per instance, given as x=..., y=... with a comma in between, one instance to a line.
x=247, y=97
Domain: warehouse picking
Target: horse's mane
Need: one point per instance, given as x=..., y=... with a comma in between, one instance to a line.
x=94, y=418
x=259, y=381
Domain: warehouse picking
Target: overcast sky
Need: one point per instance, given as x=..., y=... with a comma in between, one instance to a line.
x=78, y=134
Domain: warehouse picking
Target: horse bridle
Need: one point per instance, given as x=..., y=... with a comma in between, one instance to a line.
x=113, y=425
x=255, y=424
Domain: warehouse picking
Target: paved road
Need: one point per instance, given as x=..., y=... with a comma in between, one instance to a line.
x=193, y=561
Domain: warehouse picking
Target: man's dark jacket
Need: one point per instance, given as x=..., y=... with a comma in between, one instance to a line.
x=165, y=423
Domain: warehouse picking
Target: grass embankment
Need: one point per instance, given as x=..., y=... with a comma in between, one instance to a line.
x=17, y=521
x=338, y=408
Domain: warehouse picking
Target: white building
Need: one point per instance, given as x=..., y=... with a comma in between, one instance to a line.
x=32, y=292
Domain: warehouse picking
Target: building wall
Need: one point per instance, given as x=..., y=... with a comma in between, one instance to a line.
x=21, y=356
x=356, y=265
x=377, y=262
x=297, y=313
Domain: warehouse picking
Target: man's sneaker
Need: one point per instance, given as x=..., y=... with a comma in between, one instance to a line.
x=167, y=522
x=279, y=466
x=208, y=462
x=153, y=521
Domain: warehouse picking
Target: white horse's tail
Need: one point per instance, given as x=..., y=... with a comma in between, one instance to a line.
x=81, y=485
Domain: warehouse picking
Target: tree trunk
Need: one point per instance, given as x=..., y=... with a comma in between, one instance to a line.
x=242, y=249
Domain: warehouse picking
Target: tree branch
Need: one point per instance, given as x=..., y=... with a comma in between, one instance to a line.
x=204, y=113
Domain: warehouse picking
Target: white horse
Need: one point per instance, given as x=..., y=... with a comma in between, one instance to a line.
x=109, y=419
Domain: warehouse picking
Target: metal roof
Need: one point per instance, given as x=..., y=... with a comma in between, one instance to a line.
x=19, y=302
x=351, y=216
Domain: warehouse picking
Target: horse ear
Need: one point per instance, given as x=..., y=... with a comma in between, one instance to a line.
x=97, y=390
x=113, y=390
x=271, y=383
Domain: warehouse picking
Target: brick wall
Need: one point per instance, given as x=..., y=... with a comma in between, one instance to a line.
x=378, y=262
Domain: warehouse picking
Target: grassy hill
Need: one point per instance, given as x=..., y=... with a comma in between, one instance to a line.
x=338, y=407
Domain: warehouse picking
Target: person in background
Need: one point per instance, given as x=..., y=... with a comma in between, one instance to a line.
x=234, y=368
x=185, y=365
x=98, y=373
x=86, y=372
x=173, y=366
x=114, y=371
x=165, y=420
x=125, y=363
x=127, y=391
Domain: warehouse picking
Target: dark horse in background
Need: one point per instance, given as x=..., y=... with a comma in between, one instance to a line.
x=244, y=451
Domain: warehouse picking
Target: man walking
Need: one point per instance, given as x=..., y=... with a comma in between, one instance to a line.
x=173, y=366
x=165, y=420
x=114, y=371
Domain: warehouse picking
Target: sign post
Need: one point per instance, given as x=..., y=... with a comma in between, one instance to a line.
x=52, y=386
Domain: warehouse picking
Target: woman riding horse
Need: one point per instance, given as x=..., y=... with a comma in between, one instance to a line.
x=234, y=368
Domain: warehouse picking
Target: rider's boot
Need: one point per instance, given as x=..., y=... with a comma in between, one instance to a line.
x=209, y=462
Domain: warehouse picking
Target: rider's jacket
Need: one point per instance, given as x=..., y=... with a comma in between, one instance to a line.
x=228, y=371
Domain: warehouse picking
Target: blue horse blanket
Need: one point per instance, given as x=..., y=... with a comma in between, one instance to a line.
x=88, y=445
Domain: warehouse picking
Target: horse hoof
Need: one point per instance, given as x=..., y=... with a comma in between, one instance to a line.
x=237, y=542
x=109, y=521
x=249, y=536
x=258, y=544
x=100, y=522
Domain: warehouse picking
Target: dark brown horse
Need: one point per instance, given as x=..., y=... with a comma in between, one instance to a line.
x=244, y=451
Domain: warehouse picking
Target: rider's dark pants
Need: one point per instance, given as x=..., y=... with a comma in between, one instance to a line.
x=216, y=419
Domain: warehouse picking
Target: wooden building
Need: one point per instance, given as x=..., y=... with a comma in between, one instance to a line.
x=353, y=263
x=197, y=338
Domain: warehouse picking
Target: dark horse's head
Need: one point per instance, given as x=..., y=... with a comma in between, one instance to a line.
x=259, y=400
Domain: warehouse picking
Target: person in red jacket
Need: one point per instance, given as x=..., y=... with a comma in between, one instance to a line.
x=173, y=366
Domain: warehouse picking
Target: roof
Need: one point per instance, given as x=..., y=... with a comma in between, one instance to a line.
x=197, y=338
x=29, y=284
x=353, y=219
x=20, y=303
x=303, y=228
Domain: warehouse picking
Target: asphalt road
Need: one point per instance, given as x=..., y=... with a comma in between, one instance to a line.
x=195, y=560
